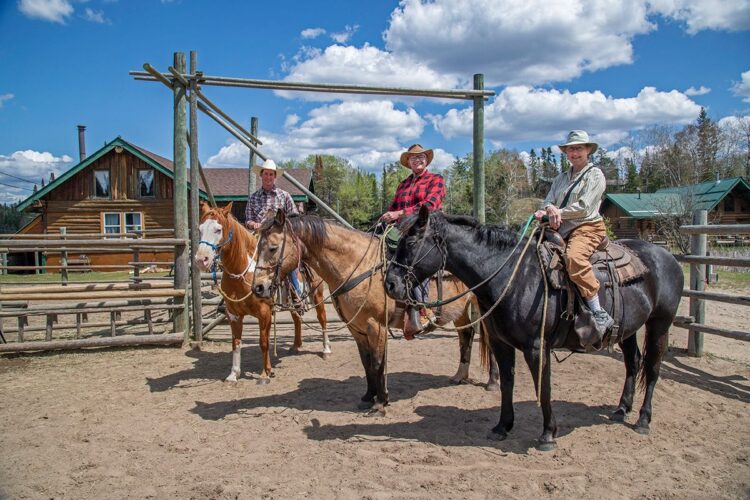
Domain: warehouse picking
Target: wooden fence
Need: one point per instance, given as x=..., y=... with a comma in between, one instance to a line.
x=150, y=303
x=698, y=259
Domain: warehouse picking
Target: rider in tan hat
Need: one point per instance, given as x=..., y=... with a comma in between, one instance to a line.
x=572, y=206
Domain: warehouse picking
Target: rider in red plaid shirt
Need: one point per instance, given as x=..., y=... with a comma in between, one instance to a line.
x=420, y=188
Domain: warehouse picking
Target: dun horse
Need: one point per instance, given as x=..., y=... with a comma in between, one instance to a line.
x=224, y=238
x=340, y=256
x=473, y=252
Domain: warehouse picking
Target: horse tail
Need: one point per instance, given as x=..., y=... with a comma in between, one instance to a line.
x=641, y=382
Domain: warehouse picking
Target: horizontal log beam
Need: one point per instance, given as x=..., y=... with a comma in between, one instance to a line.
x=145, y=285
x=114, y=294
x=119, y=341
x=686, y=322
x=716, y=229
x=719, y=261
x=718, y=297
x=115, y=242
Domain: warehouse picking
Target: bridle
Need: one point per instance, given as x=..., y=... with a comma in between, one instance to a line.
x=276, y=280
x=216, y=247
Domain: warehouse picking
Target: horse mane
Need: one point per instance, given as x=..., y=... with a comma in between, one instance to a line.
x=491, y=235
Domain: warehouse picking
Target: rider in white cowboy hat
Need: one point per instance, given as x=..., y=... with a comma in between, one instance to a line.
x=269, y=197
x=572, y=206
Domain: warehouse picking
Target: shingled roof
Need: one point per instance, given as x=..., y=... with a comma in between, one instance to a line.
x=227, y=184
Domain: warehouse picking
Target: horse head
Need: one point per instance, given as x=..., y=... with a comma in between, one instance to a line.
x=214, y=234
x=418, y=255
x=278, y=254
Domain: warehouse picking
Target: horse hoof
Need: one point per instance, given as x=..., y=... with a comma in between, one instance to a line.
x=231, y=379
x=325, y=355
x=643, y=430
x=618, y=416
x=263, y=381
x=497, y=433
x=546, y=445
x=492, y=387
x=364, y=405
x=294, y=350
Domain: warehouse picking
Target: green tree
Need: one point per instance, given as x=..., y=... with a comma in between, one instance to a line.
x=10, y=219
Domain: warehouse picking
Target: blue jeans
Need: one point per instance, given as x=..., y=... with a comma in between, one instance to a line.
x=421, y=291
x=295, y=282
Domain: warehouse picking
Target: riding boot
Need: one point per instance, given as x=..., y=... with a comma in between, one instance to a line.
x=412, y=324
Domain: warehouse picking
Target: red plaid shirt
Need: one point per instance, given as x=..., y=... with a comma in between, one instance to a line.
x=427, y=189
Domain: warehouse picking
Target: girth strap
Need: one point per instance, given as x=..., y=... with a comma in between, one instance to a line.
x=352, y=283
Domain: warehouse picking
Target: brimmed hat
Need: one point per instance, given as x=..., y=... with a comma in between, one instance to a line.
x=579, y=137
x=267, y=165
x=415, y=149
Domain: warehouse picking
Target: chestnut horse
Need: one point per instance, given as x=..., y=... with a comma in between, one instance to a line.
x=224, y=238
x=340, y=256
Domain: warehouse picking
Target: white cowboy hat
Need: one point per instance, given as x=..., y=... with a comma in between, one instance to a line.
x=269, y=164
x=579, y=137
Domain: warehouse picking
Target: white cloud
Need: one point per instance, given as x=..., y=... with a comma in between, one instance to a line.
x=95, y=16
x=55, y=11
x=730, y=15
x=367, y=65
x=312, y=32
x=742, y=88
x=692, y=91
x=517, y=42
x=345, y=36
x=523, y=113
x=32, y=166
x=367, y=133
x=5, y=97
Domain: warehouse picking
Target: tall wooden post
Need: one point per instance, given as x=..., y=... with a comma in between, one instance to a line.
x=195, y=275
x=478, y=154
x=63, y=259
x=698, y=243
x=182, y=252
x=251, y=187
x=697, y=282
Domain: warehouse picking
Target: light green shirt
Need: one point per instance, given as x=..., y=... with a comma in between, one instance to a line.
x=583, y=202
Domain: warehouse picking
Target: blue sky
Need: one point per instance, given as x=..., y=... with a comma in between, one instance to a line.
x=609, y=67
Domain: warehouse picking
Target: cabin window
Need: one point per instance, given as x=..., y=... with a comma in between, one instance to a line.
x=146, y=183
x=132, y=221
x=111, y=223
x=101, y=184
x=729, y=204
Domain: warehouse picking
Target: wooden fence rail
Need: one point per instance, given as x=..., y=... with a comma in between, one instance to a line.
x=695, y=323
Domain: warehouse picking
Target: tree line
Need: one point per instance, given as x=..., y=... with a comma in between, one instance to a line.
x=649, y=159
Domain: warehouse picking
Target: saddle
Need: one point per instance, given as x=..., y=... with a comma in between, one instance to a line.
x=618, y=263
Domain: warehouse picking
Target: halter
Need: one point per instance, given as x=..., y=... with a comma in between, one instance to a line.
x=276, y=281
x=217, y=249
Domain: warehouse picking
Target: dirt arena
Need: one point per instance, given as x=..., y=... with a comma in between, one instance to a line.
x=159, y=422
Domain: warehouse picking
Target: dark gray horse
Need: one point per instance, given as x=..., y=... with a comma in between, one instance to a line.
x=473, y=252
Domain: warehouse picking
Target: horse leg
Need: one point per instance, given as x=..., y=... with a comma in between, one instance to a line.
x=297, y=346
x=549, y=431
x=654, y=347
x=632, y=357
x=320, y=312
x=465, y=340
x=378, y=337
x=235, y=323
x=368, y=398
x=264, y=324
x=506, y=359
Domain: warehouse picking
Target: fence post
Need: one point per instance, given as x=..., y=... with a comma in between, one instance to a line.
x=195, y=276
x=182, y=252
x=697, y=282
x=251, y=174
x=63, y=259
x=478, y=152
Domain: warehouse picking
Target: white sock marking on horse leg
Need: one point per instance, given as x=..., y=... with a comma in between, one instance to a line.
x=235, y=373
x=326, y=343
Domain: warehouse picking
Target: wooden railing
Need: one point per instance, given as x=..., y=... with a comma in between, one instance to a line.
x=698, y=259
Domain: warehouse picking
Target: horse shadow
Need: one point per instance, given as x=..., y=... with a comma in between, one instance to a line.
x=727, y=386
x=214, y=366
x=439, y=425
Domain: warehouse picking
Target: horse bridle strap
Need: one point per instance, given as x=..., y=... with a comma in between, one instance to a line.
x=352, y=283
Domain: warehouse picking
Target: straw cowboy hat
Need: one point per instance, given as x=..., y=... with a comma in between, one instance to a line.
x=267, y=165
x=415, y=149
x=579, y=137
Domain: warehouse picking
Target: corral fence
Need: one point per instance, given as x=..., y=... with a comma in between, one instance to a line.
x=698, y=260
x=35, y=308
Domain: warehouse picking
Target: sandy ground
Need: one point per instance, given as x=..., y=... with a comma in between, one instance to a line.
x=159, y=422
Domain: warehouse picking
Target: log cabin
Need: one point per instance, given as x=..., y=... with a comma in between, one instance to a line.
x=123, y=188
x=633, y=215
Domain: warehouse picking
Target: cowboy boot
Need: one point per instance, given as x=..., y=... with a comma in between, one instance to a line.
x=412, y=324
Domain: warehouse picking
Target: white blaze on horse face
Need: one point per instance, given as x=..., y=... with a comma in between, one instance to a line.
x=211, y=232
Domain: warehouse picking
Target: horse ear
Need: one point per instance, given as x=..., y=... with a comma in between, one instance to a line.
x=280, y=217
x=204, y=208
x=227, y=208
x=424, y=214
